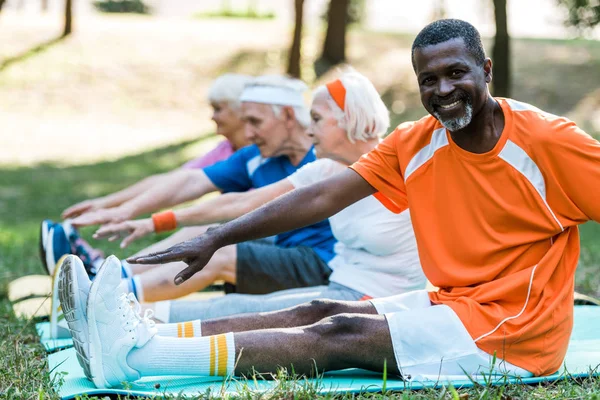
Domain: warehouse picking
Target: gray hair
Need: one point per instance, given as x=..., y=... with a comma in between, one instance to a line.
x=228, y=88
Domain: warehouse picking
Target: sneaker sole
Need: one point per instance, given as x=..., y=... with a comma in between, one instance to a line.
x=75, y=317
x=42, y=244
x=54, y=299
x=96, y=370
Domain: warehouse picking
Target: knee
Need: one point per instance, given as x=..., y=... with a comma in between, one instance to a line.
x=322, y=308
x=339, y=327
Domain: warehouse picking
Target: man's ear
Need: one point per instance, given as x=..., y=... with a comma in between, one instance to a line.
x=288, y=115
x=487, y=69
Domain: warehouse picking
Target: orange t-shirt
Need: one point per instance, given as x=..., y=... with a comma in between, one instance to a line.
x=497, y=232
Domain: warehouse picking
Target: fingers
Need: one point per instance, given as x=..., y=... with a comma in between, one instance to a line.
x=186, y=274
x=75, y=210
x=160, y=257
x=112, y=230
x=135, y=235
x=93, y=218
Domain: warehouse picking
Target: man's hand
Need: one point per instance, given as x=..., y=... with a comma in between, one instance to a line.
x=104, y=216
x=133, y=229
x=83, y=207
x=196, y=253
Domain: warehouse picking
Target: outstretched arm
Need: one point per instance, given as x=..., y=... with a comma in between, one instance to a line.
x=181, y=186
x=294, y=210
x=215, y=210
x=117, y=198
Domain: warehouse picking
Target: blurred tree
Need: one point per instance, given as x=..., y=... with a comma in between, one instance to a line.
x=2, y=4
x=68, y=18
x=44, y=6
x=501, y=51
x=582, y=14
x=295, y=50
x=334, y=45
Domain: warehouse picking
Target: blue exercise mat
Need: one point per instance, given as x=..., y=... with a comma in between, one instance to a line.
x=51, y=345
x=583, y=358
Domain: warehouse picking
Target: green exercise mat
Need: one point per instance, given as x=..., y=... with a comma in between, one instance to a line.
x=583, y=358
x=51, y=345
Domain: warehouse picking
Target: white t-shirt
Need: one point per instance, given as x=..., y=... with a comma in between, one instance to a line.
x=376, y=253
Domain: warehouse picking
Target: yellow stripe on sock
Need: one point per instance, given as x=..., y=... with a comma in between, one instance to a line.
x=222, y=346
x=188, y=329
x=212, y=355
x=179, y=330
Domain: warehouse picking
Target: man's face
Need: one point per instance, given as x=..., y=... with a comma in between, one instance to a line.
x=453, y=86
x=264, y=129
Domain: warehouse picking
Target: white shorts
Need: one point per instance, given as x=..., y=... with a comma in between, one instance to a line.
x=430, y=341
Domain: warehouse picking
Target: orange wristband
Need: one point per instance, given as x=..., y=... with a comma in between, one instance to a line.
x=164, y=221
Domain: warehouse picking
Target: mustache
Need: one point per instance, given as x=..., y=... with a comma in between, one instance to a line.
x=435, y=101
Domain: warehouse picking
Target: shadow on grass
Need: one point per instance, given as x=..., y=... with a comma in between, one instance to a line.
x=29, y=53
x=30, y=194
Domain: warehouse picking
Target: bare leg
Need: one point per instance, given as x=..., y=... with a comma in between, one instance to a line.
x=337, y=342
x=180, y=236
x=158, y=282
x=301, y=315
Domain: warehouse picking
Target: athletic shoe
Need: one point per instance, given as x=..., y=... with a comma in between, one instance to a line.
x=55, y=245
x=83, y=249
x=58, y=325
x=44, y=230
x=73, y=292
x=115, y=327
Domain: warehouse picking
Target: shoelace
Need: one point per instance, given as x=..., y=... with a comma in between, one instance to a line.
x=132, y=309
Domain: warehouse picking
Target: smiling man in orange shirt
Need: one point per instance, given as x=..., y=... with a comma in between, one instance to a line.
x=496, y=189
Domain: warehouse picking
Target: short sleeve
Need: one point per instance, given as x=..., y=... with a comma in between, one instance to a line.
x=314, y=172
x=221, y=152
x=571, y=158
x=381, y=169
x=231, y=175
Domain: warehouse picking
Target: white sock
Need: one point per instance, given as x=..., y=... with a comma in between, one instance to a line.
x=180, y=329
x=162, y=310
x=203, y=356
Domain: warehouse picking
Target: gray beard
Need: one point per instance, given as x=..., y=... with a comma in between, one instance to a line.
x=457, y=124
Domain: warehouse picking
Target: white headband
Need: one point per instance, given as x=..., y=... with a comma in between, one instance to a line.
x=274, y=95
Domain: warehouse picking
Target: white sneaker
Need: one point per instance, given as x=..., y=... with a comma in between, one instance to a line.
x=115, y=327
x=58, y=325
x=73, y=291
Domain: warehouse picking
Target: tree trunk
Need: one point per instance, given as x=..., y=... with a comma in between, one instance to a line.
x=44, y=6
x=2, y=4
x=295, y=50
x=334, y=46
x=501, y=51
x=68, y=18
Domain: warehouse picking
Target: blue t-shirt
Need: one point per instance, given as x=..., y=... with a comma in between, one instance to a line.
x=246, y=170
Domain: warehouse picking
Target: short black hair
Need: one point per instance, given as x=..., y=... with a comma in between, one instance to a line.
x=442, y=30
